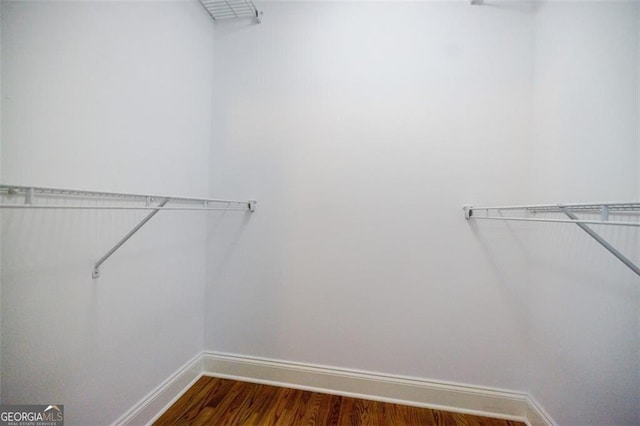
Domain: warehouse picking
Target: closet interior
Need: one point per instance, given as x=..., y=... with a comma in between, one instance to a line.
x=369, y=132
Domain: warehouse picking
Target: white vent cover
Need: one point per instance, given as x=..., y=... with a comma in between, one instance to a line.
x=230, y=9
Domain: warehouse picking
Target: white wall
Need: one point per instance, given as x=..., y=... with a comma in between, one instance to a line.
x=583, y=301
x=112, y=96
x=362, y=129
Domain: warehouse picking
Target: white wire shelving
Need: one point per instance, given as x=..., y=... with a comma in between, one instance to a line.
x=28, y=197
x=232, y=9
x=623, y=212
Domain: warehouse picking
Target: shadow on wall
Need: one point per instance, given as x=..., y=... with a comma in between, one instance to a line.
x=227, y=27
x=495, y=240
x=223, y=235
x=527, y=7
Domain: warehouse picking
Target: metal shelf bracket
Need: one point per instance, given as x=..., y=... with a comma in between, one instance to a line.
x=593, y=234
x=96, y=267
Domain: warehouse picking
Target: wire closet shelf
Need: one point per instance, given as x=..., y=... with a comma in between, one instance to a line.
x=597, y=214
x=27, y=197
x=231, y=9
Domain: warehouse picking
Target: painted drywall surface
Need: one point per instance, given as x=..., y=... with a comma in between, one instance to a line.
x=362, y=129
x=113, y=96
x=583, y=301
x=0, y=213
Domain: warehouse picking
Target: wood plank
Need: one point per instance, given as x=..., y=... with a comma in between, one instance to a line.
x=312, y=412
x=215, y=401
x=190, y=403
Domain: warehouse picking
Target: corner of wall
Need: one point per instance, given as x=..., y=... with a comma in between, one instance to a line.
x=536, y=414
x=582, y=152
x=147, y=305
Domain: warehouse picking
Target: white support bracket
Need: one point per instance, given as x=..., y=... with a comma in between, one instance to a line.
x=593, y=234
x=96, y=267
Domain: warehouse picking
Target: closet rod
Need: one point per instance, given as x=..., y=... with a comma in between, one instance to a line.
x=569, y=210
x=31, y=194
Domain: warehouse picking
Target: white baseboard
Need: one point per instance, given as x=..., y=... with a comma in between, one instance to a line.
x=149, y=408
x=404, y=390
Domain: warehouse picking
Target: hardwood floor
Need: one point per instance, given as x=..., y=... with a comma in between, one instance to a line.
x=214, y=401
